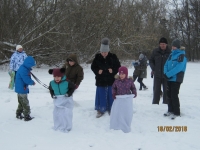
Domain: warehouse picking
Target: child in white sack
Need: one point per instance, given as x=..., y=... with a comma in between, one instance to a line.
x=61, y=91
x=123, y=91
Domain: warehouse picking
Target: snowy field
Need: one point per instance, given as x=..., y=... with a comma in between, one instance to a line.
x=90, y=133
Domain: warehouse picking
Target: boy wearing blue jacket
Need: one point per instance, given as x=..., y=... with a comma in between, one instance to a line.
x=174, y=70
x=22, y=81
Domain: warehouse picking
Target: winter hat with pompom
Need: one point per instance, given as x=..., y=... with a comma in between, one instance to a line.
x=104, y=45
x=57, y=72
x=123, y=70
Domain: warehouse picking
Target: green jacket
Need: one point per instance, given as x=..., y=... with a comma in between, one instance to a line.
x=61, y=88
x=74, y=73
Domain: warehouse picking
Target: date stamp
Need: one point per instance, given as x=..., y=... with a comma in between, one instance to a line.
x=172, y=128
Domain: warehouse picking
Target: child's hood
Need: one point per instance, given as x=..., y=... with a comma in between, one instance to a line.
x=29, y=62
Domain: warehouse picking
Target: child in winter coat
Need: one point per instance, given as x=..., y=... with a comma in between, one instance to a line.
x=61, y=91
x=23, y=79
x=140, y=71
x=123, y=91
x=74, y=71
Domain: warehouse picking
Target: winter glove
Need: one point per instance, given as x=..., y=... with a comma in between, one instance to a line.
x=152, y=73
x=76, y=86
x=54, y=97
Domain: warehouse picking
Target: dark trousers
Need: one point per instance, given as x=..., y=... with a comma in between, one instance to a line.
x=139, y=80
x=157, y=90
x=173, y=99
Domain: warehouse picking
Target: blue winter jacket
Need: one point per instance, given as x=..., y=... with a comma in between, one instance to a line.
x=17, y=60
x=23, y=76
x=175, y=66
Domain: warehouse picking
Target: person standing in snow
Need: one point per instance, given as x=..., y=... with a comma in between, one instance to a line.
x=74, y=71
x=61, y=91
x=105, y=66
x=174, y=71
x=157, y=61
x=22, y=81
x=123, y=91
x=140, y=71
x=17, y=59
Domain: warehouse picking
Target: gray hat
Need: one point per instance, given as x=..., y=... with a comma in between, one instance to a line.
x=176, y=43
x=141, y=56
x=104, y=45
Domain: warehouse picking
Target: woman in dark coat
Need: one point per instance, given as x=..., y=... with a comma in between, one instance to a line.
x=105, y=66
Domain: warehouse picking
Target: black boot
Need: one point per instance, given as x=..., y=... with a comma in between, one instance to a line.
x=19, y=116
x=28, y=118
x=145, y=88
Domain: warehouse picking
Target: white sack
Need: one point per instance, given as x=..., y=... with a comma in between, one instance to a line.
x=122, y=113
x=62, y=114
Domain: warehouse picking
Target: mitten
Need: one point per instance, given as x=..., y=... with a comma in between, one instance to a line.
x=76, y=86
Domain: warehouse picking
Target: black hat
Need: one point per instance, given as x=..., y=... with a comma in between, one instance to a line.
x=163, y=40
x=176, y=43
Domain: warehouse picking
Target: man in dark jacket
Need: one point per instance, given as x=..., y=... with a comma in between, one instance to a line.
x=105, y=66
x=157, y=61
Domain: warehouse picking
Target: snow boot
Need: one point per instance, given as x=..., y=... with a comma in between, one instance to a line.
x=168, y=114
x=174, y=116
x=144, y=87
x=19, y=116
x=28, y=118
x=99, y=114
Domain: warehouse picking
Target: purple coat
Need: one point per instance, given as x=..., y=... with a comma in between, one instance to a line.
x=123, y=87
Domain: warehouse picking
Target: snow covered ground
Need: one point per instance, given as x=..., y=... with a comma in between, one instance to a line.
x=90, y=133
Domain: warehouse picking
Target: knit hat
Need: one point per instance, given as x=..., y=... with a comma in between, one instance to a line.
x=163, y=40
x=176, y=43
x=18, y=47
x=124, y=70
x=141, y=56
x=104, y=45
x=57, y=72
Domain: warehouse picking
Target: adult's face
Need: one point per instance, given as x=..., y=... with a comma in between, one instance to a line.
x=104, y=54
x=163, y=46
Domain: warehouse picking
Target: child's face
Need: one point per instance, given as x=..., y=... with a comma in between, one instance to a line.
x=71, y=63
x=57, y=79
x=122, y=76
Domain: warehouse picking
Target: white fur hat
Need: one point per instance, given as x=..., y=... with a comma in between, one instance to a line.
x=18, y=47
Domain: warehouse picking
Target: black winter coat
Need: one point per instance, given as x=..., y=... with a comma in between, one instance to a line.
x=157, y=61
x=100, y=63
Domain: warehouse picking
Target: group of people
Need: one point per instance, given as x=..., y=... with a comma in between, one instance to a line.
x=112, y=92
